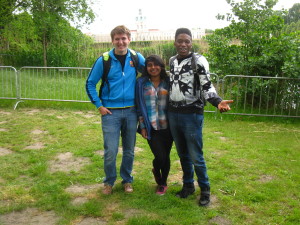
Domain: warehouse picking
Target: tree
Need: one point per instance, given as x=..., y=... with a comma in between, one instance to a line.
x=293, y=15
x=254, y=39
x=255, y=44
x=46, y=15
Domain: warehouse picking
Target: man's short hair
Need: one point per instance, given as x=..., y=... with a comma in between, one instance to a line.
x=183, y=31
x=121, y=29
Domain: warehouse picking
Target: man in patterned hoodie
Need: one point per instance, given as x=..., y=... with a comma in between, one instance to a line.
x=190, y=87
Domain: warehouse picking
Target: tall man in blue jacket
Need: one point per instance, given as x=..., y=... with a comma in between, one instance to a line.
x=117, y=107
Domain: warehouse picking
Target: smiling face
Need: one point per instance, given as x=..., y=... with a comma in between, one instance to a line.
x=153, y=69
x=183, y=44
x=120, y=42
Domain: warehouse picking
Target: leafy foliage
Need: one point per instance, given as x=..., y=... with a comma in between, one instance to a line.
x=293, y=15
x=256, y=40
x=40, y=23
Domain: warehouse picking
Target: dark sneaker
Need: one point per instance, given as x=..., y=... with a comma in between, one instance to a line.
x=186, y=190
x=161, y=189
x=157, y=176
x=204, y=196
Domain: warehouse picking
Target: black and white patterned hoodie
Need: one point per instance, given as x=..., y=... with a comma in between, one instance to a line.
x=185, y=95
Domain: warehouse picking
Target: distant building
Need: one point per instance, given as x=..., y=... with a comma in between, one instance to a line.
x=142, y=33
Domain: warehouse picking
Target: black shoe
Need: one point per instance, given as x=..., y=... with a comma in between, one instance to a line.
x=204, y=196
x=187, y=189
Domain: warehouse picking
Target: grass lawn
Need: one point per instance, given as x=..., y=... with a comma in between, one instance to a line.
x=51, y=163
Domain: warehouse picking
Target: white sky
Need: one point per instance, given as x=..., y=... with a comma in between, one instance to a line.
x=163, y=14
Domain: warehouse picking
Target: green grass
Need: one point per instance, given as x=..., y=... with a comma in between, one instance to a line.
x=253, y=165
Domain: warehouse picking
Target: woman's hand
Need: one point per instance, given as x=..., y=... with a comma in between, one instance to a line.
x=144, y=133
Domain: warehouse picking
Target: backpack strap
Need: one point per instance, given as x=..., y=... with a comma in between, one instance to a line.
x=135, y=60
x=106, y=67
x=197, y=84
x=195, y=72
x=107, y=64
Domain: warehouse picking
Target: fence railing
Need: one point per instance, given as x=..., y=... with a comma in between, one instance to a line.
x=9, y=80
x=252, y=95
x=258, y=95
x=53, y=84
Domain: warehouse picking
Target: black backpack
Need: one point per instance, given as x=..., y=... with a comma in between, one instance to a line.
x=107, y=64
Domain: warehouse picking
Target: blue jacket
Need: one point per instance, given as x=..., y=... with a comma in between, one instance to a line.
x=141, y=108
x=122, y=82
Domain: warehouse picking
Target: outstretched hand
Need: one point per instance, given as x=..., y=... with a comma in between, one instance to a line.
x=224, y=105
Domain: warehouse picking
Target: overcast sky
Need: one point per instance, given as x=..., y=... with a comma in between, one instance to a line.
x=163, y=14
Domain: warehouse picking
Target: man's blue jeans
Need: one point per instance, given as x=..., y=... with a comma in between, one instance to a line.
x=187, y=133
x=121, y=122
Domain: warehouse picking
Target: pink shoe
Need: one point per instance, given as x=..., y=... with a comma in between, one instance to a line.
x=161, y=190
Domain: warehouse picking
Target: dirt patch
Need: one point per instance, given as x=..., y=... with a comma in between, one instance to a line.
x=91, y=221
x=5, y=151
x=265, y=178
x=110, y=209
x=223, y=138
x=89, y=192
x=3, y=122
x=38, y=132
x=88, y=116
x=35, y=146
x=219, y=220
x=175, y=179
x=78, y=113
x=217, y=153
x=218, y=132
x=100, y=152
x=66, y=162
x=132, y=212
x=82, y=189
x=5, y=113
x=136, y=150
x=5, y=204
x=79, y=201
x=3, y=130
x=32, y=112
x=30, y=216
x=214, y=202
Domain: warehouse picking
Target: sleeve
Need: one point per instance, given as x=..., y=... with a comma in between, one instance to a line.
x=209, y=91
x=138, y=104
x=94, y=77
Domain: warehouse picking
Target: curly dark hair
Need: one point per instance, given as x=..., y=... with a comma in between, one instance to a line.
x=183, y=31
x=157, y=60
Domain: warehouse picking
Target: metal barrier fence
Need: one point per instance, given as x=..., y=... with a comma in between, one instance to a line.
x=252, y=95
x=53, y=84
x=8, y=79
x=266, y=96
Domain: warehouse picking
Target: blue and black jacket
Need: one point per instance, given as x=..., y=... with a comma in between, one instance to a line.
x=121, y=93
